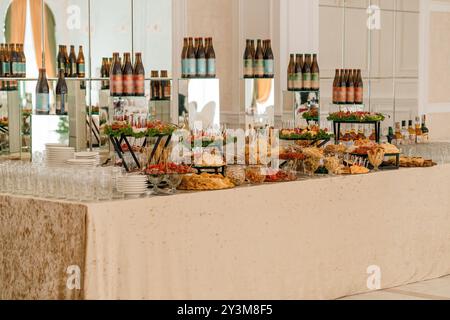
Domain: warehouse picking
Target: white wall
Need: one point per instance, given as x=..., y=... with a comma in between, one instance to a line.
x=291, y=24
x=435, y=67
x=111, y=28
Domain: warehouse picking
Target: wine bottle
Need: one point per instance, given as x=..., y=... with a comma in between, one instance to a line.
x=201, y=60
x=307, y=72
x=127, y=74
x=359, y=88
x=350, y=94
x=315, y=74
x=336, y=86
x=268, y=61
x=211, y=59
x=116, y=80
x=191, y=69
x=73, y=63
x=298, y=75
x=248, y=61
x=291, y=73
x=139, y=76
x=184, y=58
x=42, y=94
x=258, y=62
x=61, y=94
x=166, y=86
x=67, y=65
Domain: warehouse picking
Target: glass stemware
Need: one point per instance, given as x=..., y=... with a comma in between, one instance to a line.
x=155, y=180
x=174, y=180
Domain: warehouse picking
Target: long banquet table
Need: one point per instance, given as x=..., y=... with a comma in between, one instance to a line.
x=312, y=239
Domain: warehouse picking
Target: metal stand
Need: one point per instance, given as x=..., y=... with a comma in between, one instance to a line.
x=395, y=166
x=216, y=170
x=117, y=144
x=337, y=128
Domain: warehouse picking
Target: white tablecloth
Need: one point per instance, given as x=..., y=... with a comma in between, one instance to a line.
x=303, y=240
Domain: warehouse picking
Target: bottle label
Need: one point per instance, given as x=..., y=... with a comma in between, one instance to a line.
x=6, y=67
x=359, y=95
x=315, y=81
x=128, y=84
x=167, y=91
x=116, y=84
x=183, y=67
x=42, y=102
x=201, y=67
x=23, y=68
x=15, y=68
x=298, y=81
x=81, y=68
x=342, y=95
x=248, y=67
x=73, y=68
x=335, y=94
x=61, y=104
x=350, y=95
x=139, y=84
x=211, y=67
x=268, y=68
x=191, y=68
x=307, y=80
x=105, y=84
x=258, y=67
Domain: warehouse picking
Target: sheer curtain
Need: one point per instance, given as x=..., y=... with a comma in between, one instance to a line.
x=16, y=27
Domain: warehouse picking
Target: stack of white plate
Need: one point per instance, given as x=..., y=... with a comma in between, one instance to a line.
x=132, y=185
x=88, y=156
x=57, y=155
x=81, y=163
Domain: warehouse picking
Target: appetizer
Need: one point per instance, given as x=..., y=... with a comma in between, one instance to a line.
x=205, y=182
x=356, y=116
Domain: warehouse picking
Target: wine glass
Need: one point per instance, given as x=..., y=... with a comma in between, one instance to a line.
x=155, y=179
x=174, y=180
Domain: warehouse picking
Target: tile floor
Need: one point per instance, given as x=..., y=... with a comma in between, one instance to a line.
x=437, y=289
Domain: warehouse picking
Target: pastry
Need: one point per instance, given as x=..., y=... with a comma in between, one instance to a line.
x=359, y=170
x=205, y=182
x=376, y=156
x=390, y=148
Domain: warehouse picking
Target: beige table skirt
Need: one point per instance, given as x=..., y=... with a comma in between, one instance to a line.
x=39, y=242
x=302, y=240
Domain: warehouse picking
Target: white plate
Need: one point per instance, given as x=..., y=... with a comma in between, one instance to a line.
x=87, y=154
x=133, y=186
x=55, y=145
x=79, y=161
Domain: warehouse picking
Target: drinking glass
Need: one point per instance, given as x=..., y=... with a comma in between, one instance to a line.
x=155, y=180
x=174, y=180
x=104, y=185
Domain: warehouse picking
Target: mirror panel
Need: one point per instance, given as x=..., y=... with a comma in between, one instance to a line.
x=199, y=101
x=259, y=103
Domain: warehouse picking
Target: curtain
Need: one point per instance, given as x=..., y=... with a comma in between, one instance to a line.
x=15, y=23
x=36, y=20
x=263, y=88
x=16, y=16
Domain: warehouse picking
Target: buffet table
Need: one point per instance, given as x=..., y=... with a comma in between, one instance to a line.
x=312, y=239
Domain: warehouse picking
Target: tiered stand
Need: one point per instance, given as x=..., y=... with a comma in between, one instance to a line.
x=117, y=144
x=337, y=128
